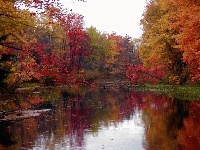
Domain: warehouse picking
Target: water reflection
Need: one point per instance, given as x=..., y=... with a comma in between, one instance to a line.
x=101, y=119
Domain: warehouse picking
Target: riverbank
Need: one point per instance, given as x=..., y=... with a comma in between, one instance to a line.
x=182, y=92
x=187, y=92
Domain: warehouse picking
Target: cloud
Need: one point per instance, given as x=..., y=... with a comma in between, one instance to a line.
x=121, y=16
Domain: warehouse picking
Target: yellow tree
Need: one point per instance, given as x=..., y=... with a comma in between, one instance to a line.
x=13, y=21
x=13, y=35
x=114, y=48
x=158, y=46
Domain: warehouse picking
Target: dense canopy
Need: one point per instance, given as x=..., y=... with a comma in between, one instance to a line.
x=42, y=42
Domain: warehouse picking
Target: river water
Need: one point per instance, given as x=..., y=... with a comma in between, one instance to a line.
x=96, y=119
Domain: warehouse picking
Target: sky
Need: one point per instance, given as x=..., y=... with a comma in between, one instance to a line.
x=120, y=16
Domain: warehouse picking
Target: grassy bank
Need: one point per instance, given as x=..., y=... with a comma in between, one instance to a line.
x=177, y=91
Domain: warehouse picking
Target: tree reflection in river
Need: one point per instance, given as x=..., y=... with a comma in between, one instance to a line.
x=189, y=135
x=168, y=123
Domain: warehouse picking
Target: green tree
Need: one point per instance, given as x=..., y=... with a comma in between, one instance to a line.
x=95, y=63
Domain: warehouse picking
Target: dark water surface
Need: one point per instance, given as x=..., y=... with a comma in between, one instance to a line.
x=96, y=119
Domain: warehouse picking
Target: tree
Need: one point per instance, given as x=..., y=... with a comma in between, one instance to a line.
x=95, y=63
x=65, y=47
x=51, y=44
x=185, y=16
x=158, y=48
x=5, y=69
x=78, y=39
x=13, y=37
x=129, y=55
x=12, y=23
x=112, y=62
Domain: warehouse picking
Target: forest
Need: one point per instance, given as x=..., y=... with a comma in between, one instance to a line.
x=67, y=86
x=41, y=42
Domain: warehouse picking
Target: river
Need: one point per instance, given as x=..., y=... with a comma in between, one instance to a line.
x=96, y=119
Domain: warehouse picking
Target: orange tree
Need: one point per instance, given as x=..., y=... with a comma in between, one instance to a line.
x=186, y=22
x=158, y=50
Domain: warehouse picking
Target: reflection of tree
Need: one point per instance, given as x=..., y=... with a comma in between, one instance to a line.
x=28, y=131
x=163, y=117
x=169, y=123
x=24, y=132
x=5, y=135
x=189, y=135
x=77, y=123
x=18, y=134
x=88, y=112
x=178, y=113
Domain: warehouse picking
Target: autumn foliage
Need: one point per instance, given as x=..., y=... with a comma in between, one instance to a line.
x=187, y=25
x=52, y=45
x=171, y=39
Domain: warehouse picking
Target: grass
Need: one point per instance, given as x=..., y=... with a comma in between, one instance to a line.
x=25, y=85
x=177, y=91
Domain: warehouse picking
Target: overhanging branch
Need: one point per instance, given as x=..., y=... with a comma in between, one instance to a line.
x=149, y=74
x=10, y=46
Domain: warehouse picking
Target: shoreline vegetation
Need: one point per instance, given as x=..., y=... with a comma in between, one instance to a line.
x=53, y=47
x=182, y=92
x=186, y=92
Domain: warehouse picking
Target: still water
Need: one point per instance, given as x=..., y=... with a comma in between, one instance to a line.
x=96, y=119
